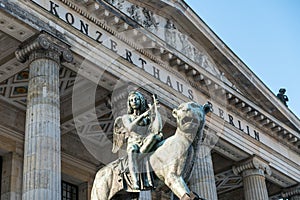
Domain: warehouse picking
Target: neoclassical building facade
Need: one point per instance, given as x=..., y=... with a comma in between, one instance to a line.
x=67, y=66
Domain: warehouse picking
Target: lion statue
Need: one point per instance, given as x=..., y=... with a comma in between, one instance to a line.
x=172, y=161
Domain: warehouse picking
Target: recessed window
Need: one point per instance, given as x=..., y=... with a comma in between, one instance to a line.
x=69, y=191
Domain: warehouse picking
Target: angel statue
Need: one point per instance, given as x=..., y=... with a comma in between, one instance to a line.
x=171, y=160
x=140, y=129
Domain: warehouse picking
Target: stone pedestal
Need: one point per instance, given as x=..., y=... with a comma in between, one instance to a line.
x=203, y=179
x=42, y=159
x=292, y=193
x=253, y=172
x=145, y=195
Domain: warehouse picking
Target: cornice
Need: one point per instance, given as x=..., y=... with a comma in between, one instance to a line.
x=267, y=122
x=293, y=191
x=280, y=179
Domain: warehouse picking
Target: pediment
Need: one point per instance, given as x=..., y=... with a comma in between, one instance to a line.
x=169, y=31
x=178, y=27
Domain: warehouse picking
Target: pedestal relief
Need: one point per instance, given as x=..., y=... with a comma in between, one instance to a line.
x=42, y=157
x=253, y=172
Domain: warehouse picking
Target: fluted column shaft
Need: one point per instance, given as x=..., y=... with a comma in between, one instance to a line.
x=254, y=184
x=42, y=158
x=42, y=173
x=253, y=172
x=203, y=179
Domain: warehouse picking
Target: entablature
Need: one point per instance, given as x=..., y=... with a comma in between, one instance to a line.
x=168, y=57
x=268, y=123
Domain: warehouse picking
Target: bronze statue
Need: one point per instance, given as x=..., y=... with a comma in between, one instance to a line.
x=282, y=97
x=171, y=159
x=134, y=128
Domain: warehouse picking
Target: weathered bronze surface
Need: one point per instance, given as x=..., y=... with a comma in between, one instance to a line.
x=171, y=159
x=141, y=129
x=282, y=97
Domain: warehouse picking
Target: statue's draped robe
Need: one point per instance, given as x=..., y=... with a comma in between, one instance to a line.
x=137, y=136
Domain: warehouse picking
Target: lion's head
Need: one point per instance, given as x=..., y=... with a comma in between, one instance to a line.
x=190, y=116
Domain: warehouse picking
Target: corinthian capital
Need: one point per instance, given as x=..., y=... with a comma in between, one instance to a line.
x=44, y=42
x=254, y=162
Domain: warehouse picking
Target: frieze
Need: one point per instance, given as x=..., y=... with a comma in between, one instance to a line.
x=236, y=122
x=167, y=30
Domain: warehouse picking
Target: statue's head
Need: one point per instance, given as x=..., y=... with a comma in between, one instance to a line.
x=142, y=107
x=282, y=90
x=190, y=117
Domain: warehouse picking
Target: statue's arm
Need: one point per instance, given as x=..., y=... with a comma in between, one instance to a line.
x=286, y=98
x=130, y=125
x=156, y=122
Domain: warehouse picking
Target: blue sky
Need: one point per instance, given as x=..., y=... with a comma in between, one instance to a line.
x=264, y=34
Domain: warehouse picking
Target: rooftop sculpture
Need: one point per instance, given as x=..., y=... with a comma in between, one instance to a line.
x=282, y=97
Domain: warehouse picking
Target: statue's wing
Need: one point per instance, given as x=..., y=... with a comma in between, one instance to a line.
x=119, y=134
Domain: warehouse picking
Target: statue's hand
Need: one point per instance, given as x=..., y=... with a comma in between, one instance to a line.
x=146, y=113
x=156, y=103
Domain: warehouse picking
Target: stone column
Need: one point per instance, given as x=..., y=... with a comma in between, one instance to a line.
x=253, y=172
x=292, y=193
x=203, y=179
x=42, y=157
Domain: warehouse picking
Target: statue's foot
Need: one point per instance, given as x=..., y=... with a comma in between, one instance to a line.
x=146, y=184
x=135, y=186
x=192, y=196
x=195, y=196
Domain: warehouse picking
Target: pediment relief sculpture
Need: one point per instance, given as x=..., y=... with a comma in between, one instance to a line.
x=167, y=30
